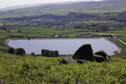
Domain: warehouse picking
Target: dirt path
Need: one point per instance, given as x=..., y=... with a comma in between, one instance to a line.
x=7, y=41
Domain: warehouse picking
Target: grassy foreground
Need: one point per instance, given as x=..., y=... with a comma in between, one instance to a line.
x=42, y=70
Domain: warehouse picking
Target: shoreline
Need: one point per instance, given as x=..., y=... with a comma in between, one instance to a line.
x=7, y=41
x=119, y=47
x=115, y=52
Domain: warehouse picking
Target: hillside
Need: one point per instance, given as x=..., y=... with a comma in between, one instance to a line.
x=70, y=17
x=101, y=6
x=42, y=70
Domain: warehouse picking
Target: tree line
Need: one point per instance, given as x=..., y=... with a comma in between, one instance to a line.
x=18, y=51
x=44, y=52
x=49, y=53
x=98, y=26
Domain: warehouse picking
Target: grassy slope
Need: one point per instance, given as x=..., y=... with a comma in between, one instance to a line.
x=16, y=69
x=34, y=70
x=89, y=7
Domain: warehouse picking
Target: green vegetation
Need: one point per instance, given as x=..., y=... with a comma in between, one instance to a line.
x=33, y=54
x=88, y=7
x=49, y=53
x=11, y=50
x=20, y=51
x=35, y=70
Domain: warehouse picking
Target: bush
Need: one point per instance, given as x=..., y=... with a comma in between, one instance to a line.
x=19, y=31
x=56, y=53
x=33, y=54
x=20, y=51
x=11, y=50
x=49, y=53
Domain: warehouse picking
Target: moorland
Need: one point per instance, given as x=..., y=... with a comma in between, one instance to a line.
x=46, y=70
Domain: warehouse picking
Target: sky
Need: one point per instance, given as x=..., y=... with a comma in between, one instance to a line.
x=8, y=3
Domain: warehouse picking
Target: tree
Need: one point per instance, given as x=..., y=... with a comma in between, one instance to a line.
x=11, y=50
x=20, y=51
x=49, y=53
x=42, y=51
x=33, y=54
x=19, y=31
x=56, y=53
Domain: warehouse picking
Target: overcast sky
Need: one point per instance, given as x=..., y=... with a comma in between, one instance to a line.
x=7, y=3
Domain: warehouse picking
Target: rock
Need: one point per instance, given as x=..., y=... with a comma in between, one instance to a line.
x=99, y=58
x=107, y=58
x=67, y=60
x=84, y=52
x=82, y=61
x=103, y=54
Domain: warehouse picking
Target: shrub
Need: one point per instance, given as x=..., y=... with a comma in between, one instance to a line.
x=49, y=53
x=11, y=50
x=56, y=53
x=43, y=51
x=33, y=54
x=19, y=31
x=20, y=51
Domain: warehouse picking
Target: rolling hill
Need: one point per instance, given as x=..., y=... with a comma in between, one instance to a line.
x=61, y=9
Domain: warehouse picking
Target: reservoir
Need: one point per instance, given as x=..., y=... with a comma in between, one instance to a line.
x=63, y=45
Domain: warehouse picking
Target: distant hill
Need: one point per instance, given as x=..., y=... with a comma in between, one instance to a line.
x=61, y=9
x=33, y=5
x=70, y=17
x=17, y=7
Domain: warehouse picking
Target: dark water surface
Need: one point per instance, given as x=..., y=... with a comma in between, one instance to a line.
x=64, y=46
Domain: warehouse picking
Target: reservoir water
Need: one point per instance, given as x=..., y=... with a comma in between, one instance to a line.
x=63, y=45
